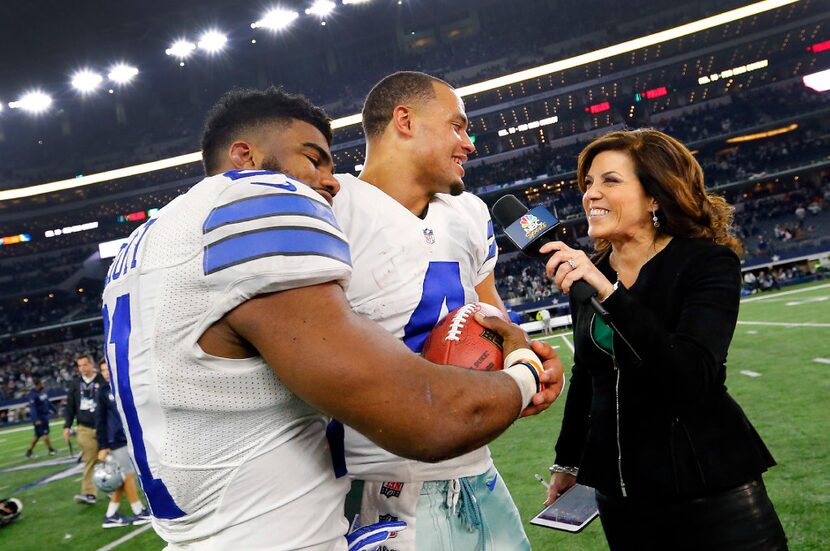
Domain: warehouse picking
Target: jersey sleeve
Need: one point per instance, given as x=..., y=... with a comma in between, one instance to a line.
x=269, y=233
x=484, y=238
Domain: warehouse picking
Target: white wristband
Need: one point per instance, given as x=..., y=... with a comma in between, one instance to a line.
x=525, y=367
x=528, y=383
x=521, y=354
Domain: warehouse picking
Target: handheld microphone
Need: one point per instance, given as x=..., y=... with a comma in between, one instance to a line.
x=529, y=230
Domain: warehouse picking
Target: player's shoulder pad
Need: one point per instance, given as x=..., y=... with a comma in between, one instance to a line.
x=249, y=194
x=466, y=203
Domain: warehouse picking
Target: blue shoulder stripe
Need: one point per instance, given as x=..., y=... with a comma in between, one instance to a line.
x=285, y=241
x=491, y=252
x=489, y=229
x=263, y=206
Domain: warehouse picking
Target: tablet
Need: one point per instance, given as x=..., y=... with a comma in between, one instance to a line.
x=572, y=512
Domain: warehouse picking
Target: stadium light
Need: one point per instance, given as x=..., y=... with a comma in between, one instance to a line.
x=762, y=135
x=81, y=181
x=348, y=2
x=321, y=8
x=122, y=73
x=86, y=81
x=535, y=72
x=625, y=47
x=181, y=49
x=820, y=82
x=35, y=101
x=212, y=41
x=276, y=19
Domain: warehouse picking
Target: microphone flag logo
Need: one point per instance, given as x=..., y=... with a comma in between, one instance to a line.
x=531, y=225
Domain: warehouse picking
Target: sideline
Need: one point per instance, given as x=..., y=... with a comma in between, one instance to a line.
x=28, y=427
x=784, y=293
x=128, y=537
x=784, y=324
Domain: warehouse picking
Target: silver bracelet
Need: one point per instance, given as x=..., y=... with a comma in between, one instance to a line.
x=560, y=469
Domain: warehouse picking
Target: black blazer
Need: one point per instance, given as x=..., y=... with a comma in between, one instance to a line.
x=655, y=419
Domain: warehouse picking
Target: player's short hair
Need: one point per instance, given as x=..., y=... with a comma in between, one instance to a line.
x=102, y=361
x=398, y=88
x=242, y=109
x=86, y=355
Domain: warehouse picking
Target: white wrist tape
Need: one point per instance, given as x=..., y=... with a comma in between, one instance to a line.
x=524, y=367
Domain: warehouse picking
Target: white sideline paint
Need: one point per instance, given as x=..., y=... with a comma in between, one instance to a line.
x=783, y=324
x=749, y=373
x=28, y=426
x=822, y=360
x=128, y=537
x=808, y=300
x=785, y=293
x=565, y=338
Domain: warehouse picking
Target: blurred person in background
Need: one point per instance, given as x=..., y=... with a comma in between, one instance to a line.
x=81, y=401
x=113, y=441
x=39, y=410
x=648, y=421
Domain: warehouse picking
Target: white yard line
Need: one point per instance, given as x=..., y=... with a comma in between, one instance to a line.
x=785, y=293
x=822, y=360
x=29, y=427
x=128, y=537
x=565, y=338
x=783, y=324
x=749, y=373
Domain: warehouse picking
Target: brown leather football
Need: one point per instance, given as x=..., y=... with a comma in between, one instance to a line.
x=460, y=340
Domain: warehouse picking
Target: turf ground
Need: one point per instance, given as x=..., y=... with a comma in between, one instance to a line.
x=780, y=340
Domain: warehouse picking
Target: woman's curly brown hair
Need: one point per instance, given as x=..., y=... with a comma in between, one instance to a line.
x=671, y=175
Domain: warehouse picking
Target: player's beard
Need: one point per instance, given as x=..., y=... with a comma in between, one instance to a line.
x=457, y=188
x=273, y=164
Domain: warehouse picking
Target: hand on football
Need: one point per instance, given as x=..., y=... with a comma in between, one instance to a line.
x=552, y=379
x=513, y=336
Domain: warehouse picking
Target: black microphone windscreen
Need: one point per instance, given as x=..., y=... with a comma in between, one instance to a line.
x=507, y=210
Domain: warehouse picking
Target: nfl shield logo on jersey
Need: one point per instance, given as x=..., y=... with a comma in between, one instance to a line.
x=429, y=236
x=391, y=489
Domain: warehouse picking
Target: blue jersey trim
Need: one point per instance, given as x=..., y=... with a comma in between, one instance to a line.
x=285, y=241
x=491, y=252
x=275, y=204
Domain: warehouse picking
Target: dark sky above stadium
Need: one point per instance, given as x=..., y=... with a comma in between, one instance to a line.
x=44, y=41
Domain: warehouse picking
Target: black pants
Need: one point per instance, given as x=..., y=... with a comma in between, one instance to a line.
x=740, y=519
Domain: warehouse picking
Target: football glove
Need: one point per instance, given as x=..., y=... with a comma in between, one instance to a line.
x=368, y=538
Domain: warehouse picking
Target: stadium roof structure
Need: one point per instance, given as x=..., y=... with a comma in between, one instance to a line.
x=558, y=100
x=125, y=30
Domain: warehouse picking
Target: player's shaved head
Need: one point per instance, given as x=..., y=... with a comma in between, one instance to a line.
x=401, y=88
x=241, y=112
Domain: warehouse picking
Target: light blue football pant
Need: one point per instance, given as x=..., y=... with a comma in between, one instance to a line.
x=485, y=517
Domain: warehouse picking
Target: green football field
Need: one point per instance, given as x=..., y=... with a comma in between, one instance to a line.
x=782, y=343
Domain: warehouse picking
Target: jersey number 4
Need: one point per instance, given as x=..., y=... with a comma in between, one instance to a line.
x=442, y=285
x=117, y=332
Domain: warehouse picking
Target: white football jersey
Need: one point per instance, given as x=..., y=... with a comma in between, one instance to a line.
x=228, y=456
x=407, y=274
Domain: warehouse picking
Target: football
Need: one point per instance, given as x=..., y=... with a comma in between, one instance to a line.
x=460, y=340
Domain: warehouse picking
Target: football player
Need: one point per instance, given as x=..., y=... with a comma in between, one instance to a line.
x=229, y=340
x=421, y=247
x=39, y=409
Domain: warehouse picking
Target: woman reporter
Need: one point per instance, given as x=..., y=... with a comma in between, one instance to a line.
x=648, y=421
